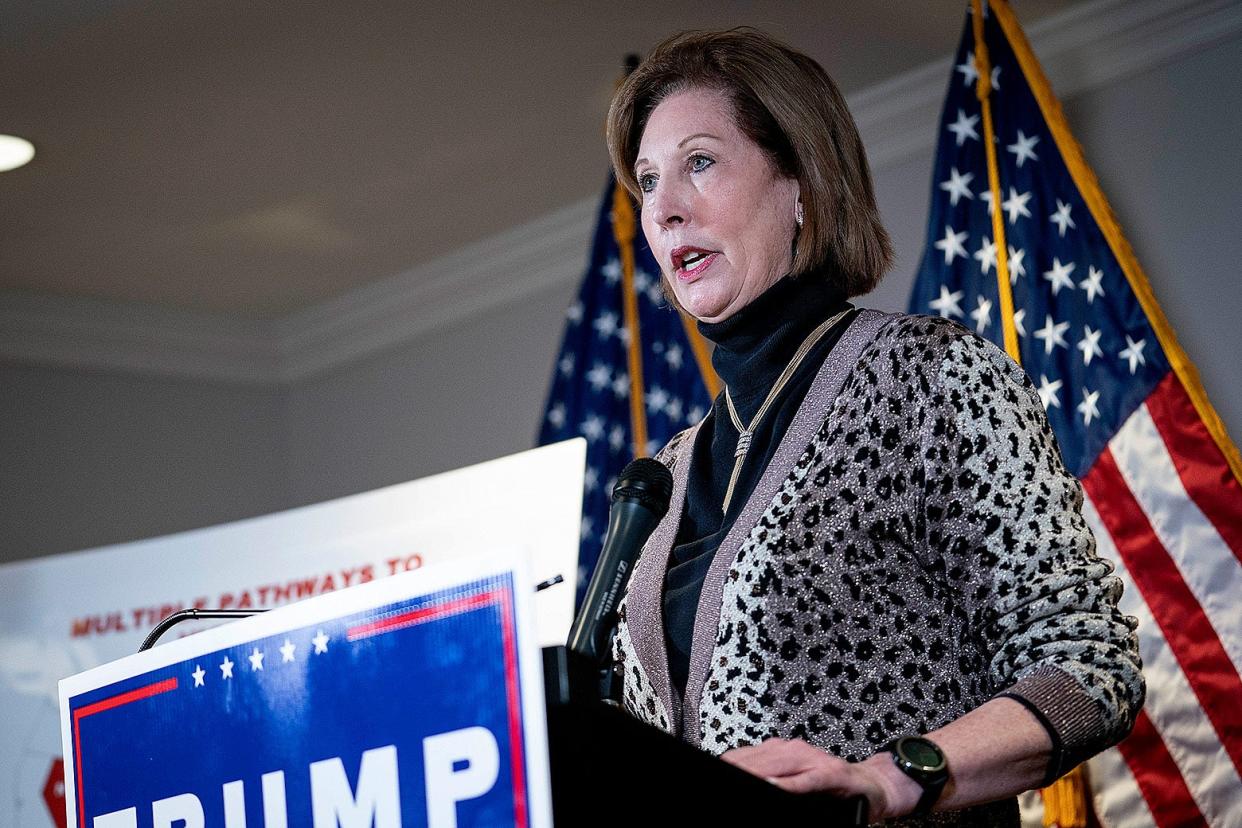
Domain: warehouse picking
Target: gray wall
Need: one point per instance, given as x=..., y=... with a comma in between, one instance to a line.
x=87, y=459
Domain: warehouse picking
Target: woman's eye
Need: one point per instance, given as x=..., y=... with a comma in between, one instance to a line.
x=698, y=163
x=646, y=182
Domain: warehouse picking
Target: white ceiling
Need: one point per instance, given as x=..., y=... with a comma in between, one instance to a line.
x=256, y=158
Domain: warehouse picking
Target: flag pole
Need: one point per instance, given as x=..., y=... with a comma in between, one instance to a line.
x=983, y=89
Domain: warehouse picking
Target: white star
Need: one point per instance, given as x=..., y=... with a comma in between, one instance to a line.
x=1087, y=407
x=1092, y=284
x=621, y=386
x=970, y=72
x=1052, y=334
x=982, y=315
x=673, y=357
x=947, y=304
x=611, y=271
x=256, y=660
x=584, y=529
x=199, y=674
x=599, y=376
x=591, y=479
x=673, y=409
x=652, y=447
x=566, y=365
x=695, y=414
x=574, y=313
x=964, y=127
x=986, y=195
x=655, y=293
x=951, y=244
x=1015, y=205
x=986, y=255
x=592, y=428
x=606, y=324
x=226, y=668
x=1061, y=218
x=616, y=438
x=321, y=642
x=1024, y=148
x=1059, y=276
x=1018, y=317
x=1134, y=353
x=1016, y=266
x=957, y=187
x=641, y=280
x=623, y=334
x=996, y=77
x=286, y=651
x=656, y=398
x=1089, y=345
x=1048, y=392
x=556, y=415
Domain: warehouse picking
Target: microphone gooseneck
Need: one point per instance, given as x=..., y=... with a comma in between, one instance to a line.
x=639, y=500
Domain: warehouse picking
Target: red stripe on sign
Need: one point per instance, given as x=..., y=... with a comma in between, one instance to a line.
x=1158, y=777
x=419, y=616
x=1183, y=622
x=98, y=707
x=514, y=698
x=1202, y=468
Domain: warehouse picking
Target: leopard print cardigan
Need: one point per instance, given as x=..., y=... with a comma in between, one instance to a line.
x=914, y=548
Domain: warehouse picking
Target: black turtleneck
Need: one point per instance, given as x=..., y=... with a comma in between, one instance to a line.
x=752, y=348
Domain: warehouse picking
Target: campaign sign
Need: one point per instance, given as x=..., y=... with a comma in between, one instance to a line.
x=414, y=700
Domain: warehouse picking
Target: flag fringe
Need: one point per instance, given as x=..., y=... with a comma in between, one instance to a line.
x=1089, y=186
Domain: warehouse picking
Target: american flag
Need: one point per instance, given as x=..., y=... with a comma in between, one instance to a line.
x=591, y=383
x=1160, y=473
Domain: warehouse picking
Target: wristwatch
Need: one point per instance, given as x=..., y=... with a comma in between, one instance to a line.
x=924, y=762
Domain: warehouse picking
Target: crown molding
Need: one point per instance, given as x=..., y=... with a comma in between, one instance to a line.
x=1087, y=47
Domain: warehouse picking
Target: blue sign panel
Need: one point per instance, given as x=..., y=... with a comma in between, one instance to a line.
x=409, y=713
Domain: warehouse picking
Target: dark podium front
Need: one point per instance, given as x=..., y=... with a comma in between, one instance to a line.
x=609, y=769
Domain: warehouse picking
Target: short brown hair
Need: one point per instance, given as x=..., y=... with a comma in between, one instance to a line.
x=785, y=102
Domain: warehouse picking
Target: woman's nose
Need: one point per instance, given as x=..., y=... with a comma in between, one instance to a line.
x=669, y=205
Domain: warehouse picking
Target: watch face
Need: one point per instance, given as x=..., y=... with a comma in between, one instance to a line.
x=921, y=752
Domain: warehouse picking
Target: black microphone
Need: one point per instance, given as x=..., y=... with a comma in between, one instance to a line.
x=639, y=501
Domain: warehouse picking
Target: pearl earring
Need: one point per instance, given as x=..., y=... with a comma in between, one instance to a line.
x=798, y=218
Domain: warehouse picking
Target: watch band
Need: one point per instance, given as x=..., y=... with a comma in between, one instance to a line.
x=923, y=761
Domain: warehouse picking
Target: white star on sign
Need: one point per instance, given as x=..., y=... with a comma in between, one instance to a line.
x=226, y=668
x=606, y=325
x=256, y=660
x=1059, y=276
x=286, y=651
x=1018, y=317
x=590, y=479
x=199, y=674
x=621, y=386
x=673, y=409
x=566, y=365
x=1061, y=218
x=695, y=414
x=982, y=315
x=657, y=398
x=592, y=428
x=951, y=244
x=986, y=255
x=964, y=127
x=1134, y=353
x=1089, y=345
x=1015, y=205
x=574, y=313
x=970, y=72
x=1052, y=334
x=947, y=305
x=1016, y=266
x=1048, y=392
x=986, y=195
x=611, y=271
x=957, y=187
x=1024, y=148
x=1087, y=408
x=321, y=642
x=1092, y=284
x=616, y=438
x=599, y=376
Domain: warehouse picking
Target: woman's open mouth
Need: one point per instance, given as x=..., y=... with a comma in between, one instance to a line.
x=690, y=262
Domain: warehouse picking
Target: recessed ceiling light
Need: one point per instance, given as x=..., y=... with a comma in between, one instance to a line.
x=14, y=152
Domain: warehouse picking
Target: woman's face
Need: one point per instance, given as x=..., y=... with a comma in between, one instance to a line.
x=717, y=215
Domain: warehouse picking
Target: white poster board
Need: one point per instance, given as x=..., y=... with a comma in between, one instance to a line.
x=65, y=614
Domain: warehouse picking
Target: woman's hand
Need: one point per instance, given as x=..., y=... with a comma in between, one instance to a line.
x=799, y=767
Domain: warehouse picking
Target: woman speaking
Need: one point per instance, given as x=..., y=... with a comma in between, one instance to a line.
x=874, y=577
